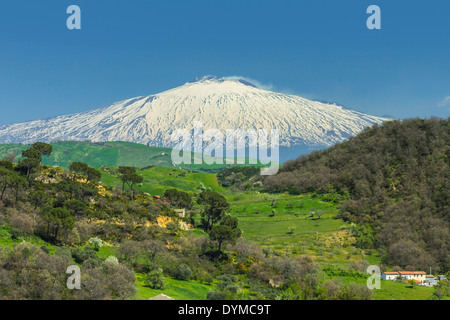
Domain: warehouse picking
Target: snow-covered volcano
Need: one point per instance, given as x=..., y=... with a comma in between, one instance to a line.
x=218, y=103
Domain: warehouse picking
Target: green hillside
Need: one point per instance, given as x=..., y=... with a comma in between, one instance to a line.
x=97, y=154
x=395, y=179
x=159, y=179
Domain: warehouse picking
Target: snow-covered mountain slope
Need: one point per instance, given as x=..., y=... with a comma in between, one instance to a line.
x=218, y=103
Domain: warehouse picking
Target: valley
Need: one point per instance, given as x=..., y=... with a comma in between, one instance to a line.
x=240, y=236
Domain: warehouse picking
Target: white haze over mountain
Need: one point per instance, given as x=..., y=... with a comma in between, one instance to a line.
x=219, y=103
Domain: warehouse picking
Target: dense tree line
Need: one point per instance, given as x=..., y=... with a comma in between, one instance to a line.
x=395, y=179
x=179, y=198
x=238, y=176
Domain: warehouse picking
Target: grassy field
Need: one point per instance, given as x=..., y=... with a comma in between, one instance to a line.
x=158, y=179
x=289, y=225
x=177, y=289
x=283, y=218
x=393, y=290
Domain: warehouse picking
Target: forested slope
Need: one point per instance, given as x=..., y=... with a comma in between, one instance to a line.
x=395, y=180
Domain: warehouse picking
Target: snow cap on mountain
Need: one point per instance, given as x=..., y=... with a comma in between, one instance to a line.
x=218, y=103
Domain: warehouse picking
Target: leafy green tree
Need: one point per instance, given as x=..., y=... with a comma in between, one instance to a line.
x=81, y=168
x=39, y=198
x=182, y=272
x=232, y=223
x=96, y=242
x=82, y=255
x=292, y=229
x=57, y=219
x=33, y=157
x=227, y=231
x=11, y=180
x=221, y=234
x=76, y=207
x=5, y=164
x=319, y=214
x=28, y=166
x=78, y=167
x=112, y=259
x=93, y=175
x=130, y=178
x=155, y=279
x=32, y=153
x=179, y=198
x=7, y=180
x=214, y=207
x=44, y=148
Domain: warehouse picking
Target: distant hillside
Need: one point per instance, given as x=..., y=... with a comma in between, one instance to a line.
x=107, y=154
x=157, y=180
x=396, y=182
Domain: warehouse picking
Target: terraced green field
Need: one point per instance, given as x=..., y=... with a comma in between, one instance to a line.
x=159, y=179
x=283, y=218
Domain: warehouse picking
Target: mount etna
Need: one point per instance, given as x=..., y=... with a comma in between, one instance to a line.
x=218, y=103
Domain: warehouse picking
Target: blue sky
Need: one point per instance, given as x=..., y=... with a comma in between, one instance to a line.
x=317, y=49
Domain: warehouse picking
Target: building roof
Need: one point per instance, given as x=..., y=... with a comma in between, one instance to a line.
x=412, y=272
x=390, y=272
x=161, y=297
x=405, y=272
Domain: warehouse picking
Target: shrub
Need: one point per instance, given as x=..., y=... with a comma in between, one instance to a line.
x=81, y=255
x=45, y=249
x=209, y=280
x=155, y=279
x=91, y=263
x=112, y=259
x=182, y=272
x=63, y=252
x=216, y=295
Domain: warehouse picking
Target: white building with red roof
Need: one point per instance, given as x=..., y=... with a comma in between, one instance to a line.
x=418, y=276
